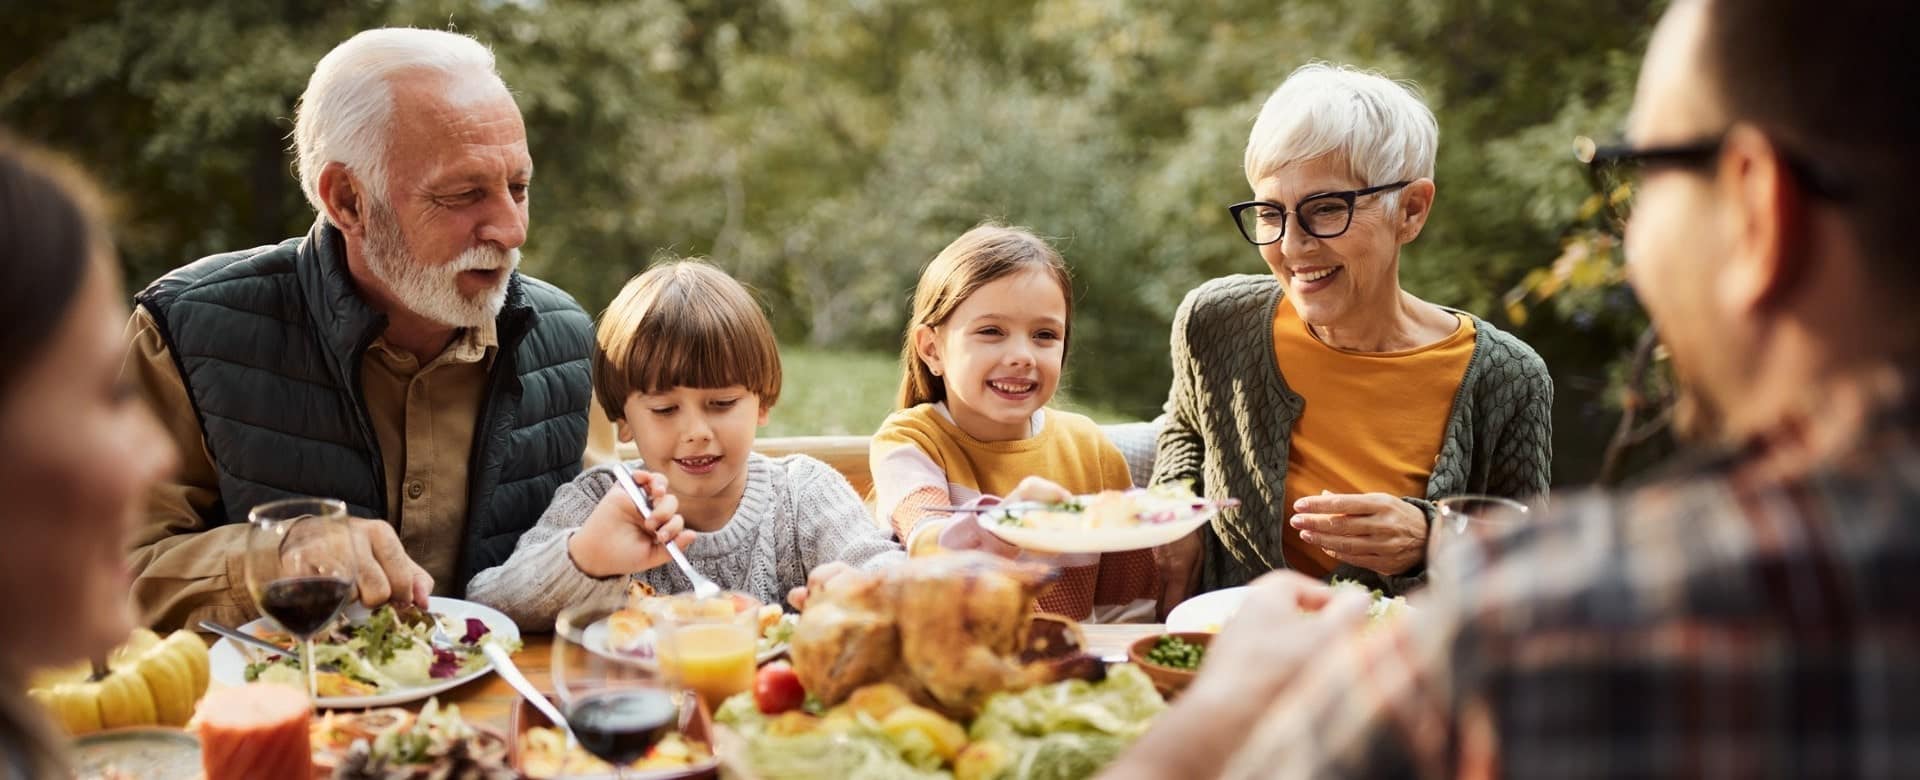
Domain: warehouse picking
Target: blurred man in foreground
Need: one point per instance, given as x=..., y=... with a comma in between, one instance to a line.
x=1750, y=614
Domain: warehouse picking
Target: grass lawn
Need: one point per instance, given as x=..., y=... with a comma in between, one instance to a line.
x=840, y=392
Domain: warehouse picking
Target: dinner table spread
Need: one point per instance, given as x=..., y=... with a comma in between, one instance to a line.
x=490, y=702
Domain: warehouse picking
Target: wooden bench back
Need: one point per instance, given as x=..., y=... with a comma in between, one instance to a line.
x=846, y=454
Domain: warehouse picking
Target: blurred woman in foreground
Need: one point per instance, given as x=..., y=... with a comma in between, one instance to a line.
x=81, y=447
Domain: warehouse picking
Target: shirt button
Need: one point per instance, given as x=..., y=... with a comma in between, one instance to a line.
x=416, y=489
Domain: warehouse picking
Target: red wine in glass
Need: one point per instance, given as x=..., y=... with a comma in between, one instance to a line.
x=621, y=724
x=300, y=565
x=304, y=605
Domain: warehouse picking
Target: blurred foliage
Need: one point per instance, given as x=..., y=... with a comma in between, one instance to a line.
x=823, y=150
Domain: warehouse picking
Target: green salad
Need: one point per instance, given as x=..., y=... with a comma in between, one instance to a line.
x=1061, y=731
x=390, y=650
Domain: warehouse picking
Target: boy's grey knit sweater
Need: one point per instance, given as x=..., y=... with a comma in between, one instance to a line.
x=797, y=513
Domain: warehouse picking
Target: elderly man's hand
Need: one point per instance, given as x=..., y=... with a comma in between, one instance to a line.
x=382, y=570
x=1372, y=530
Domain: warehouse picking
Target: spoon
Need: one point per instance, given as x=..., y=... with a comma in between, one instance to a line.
x=702, y=587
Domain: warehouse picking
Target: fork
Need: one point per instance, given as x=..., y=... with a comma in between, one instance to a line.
x=439, y=638
x=702, y=587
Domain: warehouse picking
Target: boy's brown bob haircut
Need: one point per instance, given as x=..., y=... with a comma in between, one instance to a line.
x=683, y=323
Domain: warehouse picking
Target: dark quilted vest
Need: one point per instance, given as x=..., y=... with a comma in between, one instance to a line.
x=269, y=342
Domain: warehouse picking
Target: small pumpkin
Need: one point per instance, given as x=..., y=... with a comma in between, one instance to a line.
x=147, y=681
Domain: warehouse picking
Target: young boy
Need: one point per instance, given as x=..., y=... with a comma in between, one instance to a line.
x=686, y=366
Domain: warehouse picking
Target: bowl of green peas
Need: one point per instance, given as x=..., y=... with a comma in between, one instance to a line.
x=1170, y=660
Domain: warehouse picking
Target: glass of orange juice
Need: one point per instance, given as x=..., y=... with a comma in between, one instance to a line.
x=707, y=645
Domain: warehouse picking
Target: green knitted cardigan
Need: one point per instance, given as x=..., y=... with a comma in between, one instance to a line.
x=1230, y=416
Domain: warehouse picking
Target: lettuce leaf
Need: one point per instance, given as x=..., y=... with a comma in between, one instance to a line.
x=1122, y=705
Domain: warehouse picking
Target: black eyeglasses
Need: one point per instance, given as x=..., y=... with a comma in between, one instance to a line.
x=1615, y=171
x=1326, y=215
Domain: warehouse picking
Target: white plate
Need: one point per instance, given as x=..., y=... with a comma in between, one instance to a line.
x=228, y=661
x=599, y=641
x=1096, y=540
x=1207, y=611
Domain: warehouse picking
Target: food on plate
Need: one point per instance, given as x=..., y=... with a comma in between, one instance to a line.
x=253, y=731
x=1382, y=609
x=543, y=753
x=948, y=631
x=777, y=689
x=630, y=629
x=394, y=743
x=1176, y=653
x=148, y=681
x=391, y=650
x=1380, y=612
x=1110, y=509
x=1067, y=729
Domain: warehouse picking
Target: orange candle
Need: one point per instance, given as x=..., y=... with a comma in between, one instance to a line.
x=256, y=731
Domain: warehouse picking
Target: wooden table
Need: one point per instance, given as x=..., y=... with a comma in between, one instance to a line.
x=489, y=701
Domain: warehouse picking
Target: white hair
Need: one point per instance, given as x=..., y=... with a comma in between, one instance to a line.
x=1378, y=126
x=344, y=115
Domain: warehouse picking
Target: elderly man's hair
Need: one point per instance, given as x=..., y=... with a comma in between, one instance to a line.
x=1836, y=83
x=1378, y=126
x=345, y=114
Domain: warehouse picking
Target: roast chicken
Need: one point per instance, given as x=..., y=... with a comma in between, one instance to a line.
x=949, y=630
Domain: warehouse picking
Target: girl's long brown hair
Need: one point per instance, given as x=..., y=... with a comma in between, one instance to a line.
x=975, y=259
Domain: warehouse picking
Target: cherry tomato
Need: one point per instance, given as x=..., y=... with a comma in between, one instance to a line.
x=777, y=689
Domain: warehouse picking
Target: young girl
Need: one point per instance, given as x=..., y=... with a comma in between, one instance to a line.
x=982, y=358
x=686, y=365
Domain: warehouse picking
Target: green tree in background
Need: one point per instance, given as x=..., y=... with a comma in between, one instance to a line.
x=823, y=150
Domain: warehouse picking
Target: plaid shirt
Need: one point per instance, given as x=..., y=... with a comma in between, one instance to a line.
x=1723, y=623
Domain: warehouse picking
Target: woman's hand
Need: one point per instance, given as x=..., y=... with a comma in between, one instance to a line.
x=617, y=539
x=1370, y=530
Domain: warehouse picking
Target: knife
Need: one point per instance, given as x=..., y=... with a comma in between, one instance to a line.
x=245, y=638
x=504, y=666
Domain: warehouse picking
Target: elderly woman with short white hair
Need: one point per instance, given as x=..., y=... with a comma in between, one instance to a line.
x=1333, y=403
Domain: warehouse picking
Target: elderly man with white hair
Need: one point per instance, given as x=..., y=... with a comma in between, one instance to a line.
x=1333, y=403
x=392, y=357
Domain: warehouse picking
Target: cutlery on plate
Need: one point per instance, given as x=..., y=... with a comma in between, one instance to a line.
x=504, y=666
x=1022, y=506
x=702, y=587
x=245, y=638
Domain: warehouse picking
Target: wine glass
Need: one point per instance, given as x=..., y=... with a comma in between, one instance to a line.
x=1478, y=516
x=617, y=706
x=300, y=568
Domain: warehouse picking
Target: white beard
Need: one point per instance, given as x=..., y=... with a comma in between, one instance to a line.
x=433, y=291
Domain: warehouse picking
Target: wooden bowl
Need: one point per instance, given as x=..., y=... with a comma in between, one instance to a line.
x=1168, y=680
x=699, y=728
